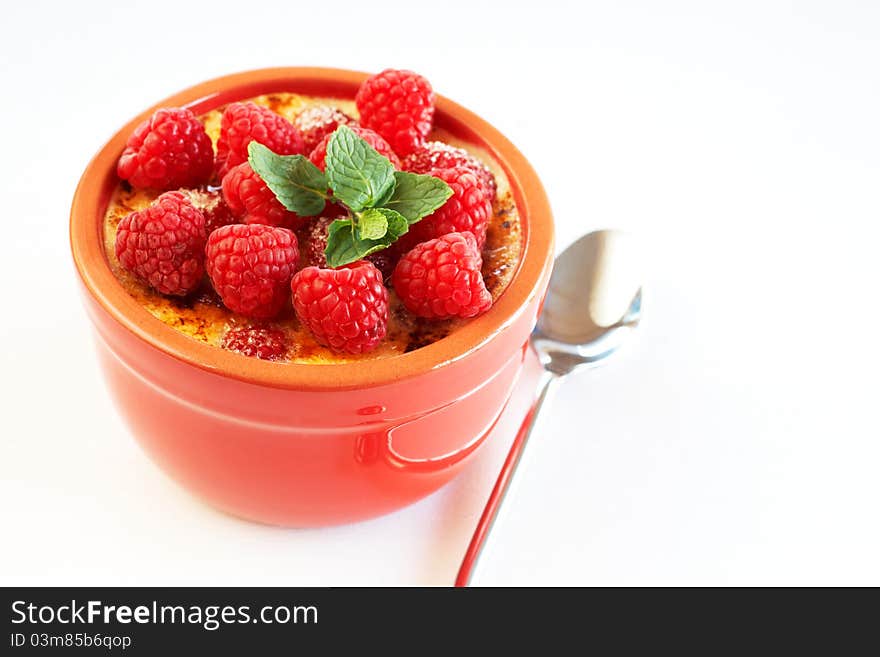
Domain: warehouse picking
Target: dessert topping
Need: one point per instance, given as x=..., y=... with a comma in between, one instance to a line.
x=469, y=208
x=164, y=244
x=256, y=342
x=437, y=155
x=243, y=123
x=381, y=203
x=250, y=267
x=441, y=278
x=399, y=105
x=346, y=308
x=170, y=149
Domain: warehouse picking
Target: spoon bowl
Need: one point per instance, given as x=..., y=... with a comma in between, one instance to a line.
x=593, y=304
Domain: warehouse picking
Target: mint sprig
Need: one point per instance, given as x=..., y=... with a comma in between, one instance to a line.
x=349, y=240
x=381, y=203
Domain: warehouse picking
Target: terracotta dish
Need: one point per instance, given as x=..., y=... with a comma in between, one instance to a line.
x=299, y=444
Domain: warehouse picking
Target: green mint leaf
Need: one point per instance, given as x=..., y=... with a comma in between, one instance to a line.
x=371, y=225
x=416, y=196
x=298, y=184
x=358, y=175
x=387, y=195
x=397, y=223
x=344, y=245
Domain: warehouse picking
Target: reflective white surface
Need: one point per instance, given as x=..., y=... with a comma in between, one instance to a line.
x=735, y=443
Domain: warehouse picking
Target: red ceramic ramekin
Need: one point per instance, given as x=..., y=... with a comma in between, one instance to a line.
x=307, y=445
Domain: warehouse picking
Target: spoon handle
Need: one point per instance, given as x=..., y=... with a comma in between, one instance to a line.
x=506, y=480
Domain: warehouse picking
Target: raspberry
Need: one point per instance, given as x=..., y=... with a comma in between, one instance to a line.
x=317, y=156
x=441, y=278
x=437, y=155
x=468, y=209
x=399, y=105
x=211, y=204
x=315, y=123
x=164, y=244
x=250, y=267
x=315, y=242
x=243, y=123
x=256, y=342
x=250, y=199
x=346, y=309
x=170, y=149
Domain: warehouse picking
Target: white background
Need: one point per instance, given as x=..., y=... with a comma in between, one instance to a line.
x=736, y=443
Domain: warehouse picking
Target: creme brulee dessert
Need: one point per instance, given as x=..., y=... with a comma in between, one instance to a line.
x=188, y=279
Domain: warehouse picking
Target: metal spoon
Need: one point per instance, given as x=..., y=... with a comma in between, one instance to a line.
x=593, y=305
